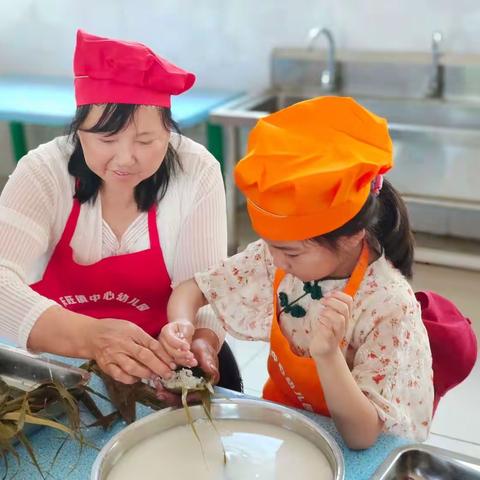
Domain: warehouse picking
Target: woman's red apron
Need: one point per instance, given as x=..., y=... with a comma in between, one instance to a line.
x=134, y=286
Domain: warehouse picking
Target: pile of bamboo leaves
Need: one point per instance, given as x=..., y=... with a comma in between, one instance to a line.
x=19, y=409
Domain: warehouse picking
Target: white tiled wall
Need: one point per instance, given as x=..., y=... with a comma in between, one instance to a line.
x=226, y=43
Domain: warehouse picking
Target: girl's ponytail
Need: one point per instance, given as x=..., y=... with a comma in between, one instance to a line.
x=392, y=229
x=385, y=219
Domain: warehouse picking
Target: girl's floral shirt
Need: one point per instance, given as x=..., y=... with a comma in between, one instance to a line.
x=386, y=345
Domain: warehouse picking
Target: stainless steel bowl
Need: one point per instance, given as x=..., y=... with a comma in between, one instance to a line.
x=242, y=409
x=427, y=462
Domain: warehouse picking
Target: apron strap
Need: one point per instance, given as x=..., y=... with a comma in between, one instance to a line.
x=358, y=273
x=153, y=229
x=71, y=224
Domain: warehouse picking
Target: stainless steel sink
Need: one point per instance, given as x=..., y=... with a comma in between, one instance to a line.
x=436, y=153
x=423, y=462
x=401, y=113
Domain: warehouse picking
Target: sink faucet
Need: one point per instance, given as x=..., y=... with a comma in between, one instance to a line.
x=435, y=82
x=328, y=77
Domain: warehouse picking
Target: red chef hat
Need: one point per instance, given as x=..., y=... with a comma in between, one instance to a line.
x=114, y=71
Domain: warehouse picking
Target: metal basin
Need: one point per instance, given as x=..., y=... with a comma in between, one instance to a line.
x=26, y=371
x=244, y=409
x=422, y=462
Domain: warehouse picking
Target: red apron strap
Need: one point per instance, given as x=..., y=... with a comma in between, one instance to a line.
x=71, y=224
x=153, y=229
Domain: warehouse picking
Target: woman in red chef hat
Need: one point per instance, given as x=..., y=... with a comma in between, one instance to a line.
x=97, y=226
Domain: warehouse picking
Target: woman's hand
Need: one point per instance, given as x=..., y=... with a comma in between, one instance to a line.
x=328, y=329
x=127, y=353
x=121, y=348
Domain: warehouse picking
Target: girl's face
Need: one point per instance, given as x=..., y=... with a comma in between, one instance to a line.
x=310, y=260
x=129, y=156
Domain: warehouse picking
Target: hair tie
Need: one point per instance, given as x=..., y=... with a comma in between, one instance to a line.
x=377, y=184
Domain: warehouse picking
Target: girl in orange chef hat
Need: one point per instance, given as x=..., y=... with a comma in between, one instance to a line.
x=326, y=285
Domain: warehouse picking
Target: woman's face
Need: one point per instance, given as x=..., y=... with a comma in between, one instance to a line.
x=130, y=156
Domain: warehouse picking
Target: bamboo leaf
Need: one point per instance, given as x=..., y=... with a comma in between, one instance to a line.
x=98, y=394
x=5, y=461
x=7, y=431
x=38, y=421
x=71, y=406
x=26, y=443
x=190, y=420
x=122, y=397
x=7, y=447
x=23, y=412
x=207, y=403
x=91, y=406
x=106, y=421
x=18, y=409
x=54, y=459
x=4, y=392
x=209, y=387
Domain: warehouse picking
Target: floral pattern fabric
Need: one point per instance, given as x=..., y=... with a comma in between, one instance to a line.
x=386, y=344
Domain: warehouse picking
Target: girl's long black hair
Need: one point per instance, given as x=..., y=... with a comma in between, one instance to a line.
x=385, y=219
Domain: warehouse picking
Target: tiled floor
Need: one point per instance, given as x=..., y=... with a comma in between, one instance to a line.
x=456, y=425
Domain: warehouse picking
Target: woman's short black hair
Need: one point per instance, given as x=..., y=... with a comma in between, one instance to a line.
x=114, y=118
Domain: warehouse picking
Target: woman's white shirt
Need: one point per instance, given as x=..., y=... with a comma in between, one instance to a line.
x=36, y=202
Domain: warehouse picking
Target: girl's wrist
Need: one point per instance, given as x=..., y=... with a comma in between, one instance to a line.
x=329, y=360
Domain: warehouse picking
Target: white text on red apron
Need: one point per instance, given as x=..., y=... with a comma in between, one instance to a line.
x=106, y=296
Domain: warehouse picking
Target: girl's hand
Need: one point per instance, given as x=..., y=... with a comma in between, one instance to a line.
x=176, y=339
x=328, y=329
x=204, y=346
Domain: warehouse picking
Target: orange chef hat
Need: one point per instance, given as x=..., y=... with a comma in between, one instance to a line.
x=308, y=168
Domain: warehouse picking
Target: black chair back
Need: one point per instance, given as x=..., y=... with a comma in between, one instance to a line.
x=229, y=372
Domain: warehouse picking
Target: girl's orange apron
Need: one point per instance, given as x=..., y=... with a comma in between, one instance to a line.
x=293, y=380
